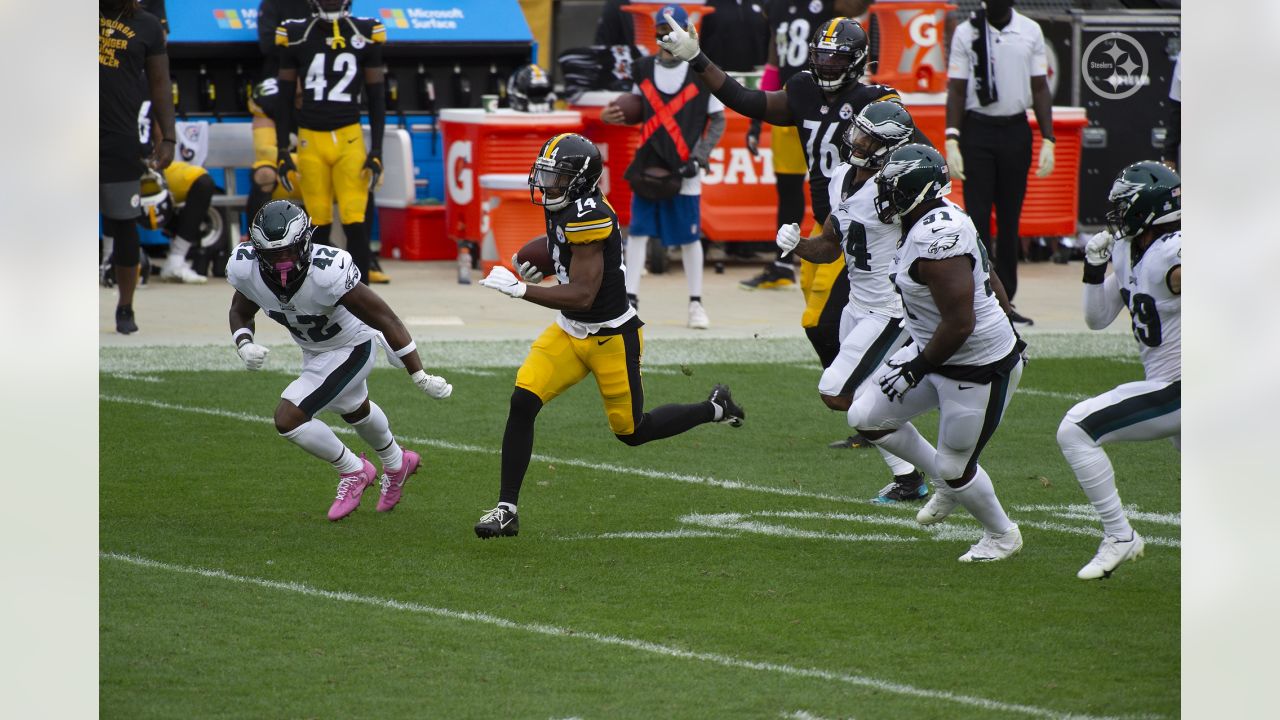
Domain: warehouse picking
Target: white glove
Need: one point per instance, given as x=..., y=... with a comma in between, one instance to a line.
x=788, y=238
x=955, y=161
x=502, y=280
x=682, y=44
x=253, y=355
x=527, y=270
x=433, y=385
x=1098, y=251
x=1046, y=159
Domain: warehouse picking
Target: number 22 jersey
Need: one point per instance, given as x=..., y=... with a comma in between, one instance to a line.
x=312, y=314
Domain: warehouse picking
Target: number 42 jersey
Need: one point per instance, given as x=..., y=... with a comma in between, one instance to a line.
x=312, y=314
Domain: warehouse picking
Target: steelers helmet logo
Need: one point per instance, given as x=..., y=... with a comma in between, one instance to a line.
x=357, y=42
x=135, y=201
x=846, y=111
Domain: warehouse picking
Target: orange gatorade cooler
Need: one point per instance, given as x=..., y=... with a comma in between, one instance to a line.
x=508, y=219
x=617, y=145
x=911, y=35
x=481, y=143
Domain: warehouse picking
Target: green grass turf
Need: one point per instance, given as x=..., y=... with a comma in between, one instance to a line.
x=223, y=492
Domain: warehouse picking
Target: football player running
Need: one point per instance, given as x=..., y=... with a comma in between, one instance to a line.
x=341, y=57
x=315, y=292
x=597, y=331
x=871, y=326
x=1143, y=241
x=966, y=359
x=820, y=103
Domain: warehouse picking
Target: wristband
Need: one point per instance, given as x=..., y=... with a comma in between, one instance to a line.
x=411, y=347
x=1094, y=274
x=700, y=62
x=769, y=81
x=1049, y=139
x=246, y=333
x=953, y=133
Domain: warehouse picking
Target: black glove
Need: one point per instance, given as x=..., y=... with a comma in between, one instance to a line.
x=902, y=377
x=753, y=138
x=284, y=166
x=689, y=169
x=373, y=164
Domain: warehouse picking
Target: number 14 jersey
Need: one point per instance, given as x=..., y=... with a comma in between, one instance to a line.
x=312, y=314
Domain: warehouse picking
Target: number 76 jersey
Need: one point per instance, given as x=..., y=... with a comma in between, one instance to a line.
x=312, y=314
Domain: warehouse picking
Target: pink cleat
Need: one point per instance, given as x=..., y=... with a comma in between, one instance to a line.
x=350, y=488
x=393, y=482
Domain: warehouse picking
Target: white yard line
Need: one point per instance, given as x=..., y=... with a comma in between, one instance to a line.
x=831, y=676
x=1086, y=512
x=135, y=377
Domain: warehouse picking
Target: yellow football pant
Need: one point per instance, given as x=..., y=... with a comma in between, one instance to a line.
x=331, y=164
x=816, y=281
x=558, y=361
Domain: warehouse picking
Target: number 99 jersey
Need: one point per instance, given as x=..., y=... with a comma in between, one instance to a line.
x=331, y=57
x=312, y=314
x=1155, y=309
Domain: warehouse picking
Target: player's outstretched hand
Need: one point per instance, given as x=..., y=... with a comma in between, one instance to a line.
x=502, y=280
x=1098, y=251
x=528, y=271
x=433, y=385
x=788, y=238
x=681, y=43
x=253, y=355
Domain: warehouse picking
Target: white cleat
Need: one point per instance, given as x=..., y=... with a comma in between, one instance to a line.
x=941, y=503
x=182, y=274
x=1111, y=553
x=698, y=319
x=994, y=547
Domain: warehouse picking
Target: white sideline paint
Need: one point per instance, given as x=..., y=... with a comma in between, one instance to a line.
x=650, y=535
x=601, y=639
x=739, y=521
x=806, y=715
x=135, y=378
x=1086, y=512
x=623, y=470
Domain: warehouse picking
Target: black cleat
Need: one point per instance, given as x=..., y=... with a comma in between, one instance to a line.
x=125, y=323
x=773, y=277
x=498, y=522
x=852, y=442
x=904, y=488
x=733, y=413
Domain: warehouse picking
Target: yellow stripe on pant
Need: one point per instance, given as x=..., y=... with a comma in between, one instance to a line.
x=557, y=361
x=788, y=152
x=331, y=164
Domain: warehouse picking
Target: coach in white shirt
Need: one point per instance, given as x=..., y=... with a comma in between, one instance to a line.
x=996, y=71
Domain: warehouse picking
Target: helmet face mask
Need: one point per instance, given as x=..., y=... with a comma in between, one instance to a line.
x=911, y=175
x=567, y=169
x=529, y=90
x=281, y=236
x=877, y=131
x=837, y=54
x=331, y=9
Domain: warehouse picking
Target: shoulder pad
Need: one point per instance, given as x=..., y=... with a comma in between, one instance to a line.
x=884, y=92
x=288, y=31
x=595, y=221
x=941, y=238
x=242, y=262
x=371, y=28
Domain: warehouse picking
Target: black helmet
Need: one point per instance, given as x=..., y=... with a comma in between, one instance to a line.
x=886, y=124
x=1144, y=194
x=281, y=235
x=331, y=9
x=838, y=53
x=529, y=90
x=912, y=174
x=567, y=169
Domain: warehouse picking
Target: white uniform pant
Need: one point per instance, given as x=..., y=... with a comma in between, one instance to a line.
x=332, y=380
x=1144, y=410
x=968, y=412
x=866, y=339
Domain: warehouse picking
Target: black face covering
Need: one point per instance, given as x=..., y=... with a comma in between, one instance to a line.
x=999, y=12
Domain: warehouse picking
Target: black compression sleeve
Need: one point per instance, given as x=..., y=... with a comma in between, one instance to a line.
x=751, y=103
x=377, y=115
x=284, y=112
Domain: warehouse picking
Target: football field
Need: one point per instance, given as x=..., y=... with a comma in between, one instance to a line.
x=724, y=573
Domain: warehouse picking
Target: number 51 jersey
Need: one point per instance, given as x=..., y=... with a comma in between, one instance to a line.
x=312, y=314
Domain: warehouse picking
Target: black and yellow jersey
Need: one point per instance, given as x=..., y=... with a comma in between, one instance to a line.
x=793, y=23
x=822, y=120
x=582, y=222
x=330, y=57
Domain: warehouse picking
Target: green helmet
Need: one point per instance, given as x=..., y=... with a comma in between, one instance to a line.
x=911, y=175
x=1144, y=194
x=281, y=237
x=886, y=124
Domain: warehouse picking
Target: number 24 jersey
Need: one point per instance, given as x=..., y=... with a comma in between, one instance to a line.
x=312, y=314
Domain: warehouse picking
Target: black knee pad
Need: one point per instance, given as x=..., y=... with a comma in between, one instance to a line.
x=790, y=199
x=640, y=435
x=524, y=404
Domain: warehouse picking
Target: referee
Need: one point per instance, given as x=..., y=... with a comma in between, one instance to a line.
x=996, y=71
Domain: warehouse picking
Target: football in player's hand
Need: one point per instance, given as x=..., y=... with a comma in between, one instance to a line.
x=536, y=251
x=632, y=107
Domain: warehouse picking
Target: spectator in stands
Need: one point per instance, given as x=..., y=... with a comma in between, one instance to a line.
x=997, y=71
x=664, y=176
x=133, y=83
x=736, y=35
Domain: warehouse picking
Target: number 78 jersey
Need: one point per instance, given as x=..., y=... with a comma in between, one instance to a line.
x=312, y=314
x=332, y=58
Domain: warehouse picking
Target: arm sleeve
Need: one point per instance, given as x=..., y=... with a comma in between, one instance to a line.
x=751, y=103
x=715, y=130
x=268, y=21
x=1102, y=303
x=284, y=114
x=960, y=65
x=377, y=116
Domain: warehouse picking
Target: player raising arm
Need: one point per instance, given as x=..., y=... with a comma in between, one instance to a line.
x=315, y=292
